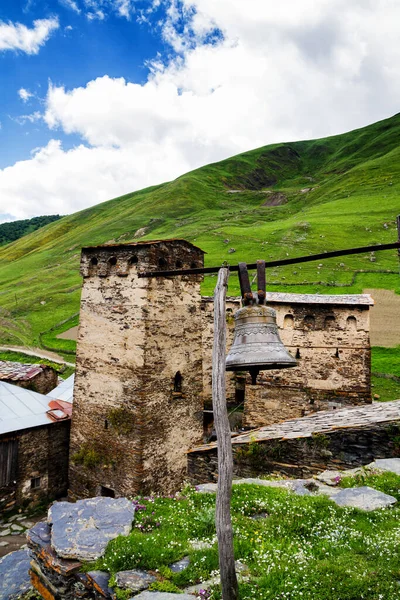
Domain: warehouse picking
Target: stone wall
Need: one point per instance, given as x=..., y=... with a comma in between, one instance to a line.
x=337, y=440
x=138, y=383
x=42, y=465
x=331, y=343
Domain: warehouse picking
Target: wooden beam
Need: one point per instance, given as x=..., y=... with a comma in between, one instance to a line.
x=223, y=521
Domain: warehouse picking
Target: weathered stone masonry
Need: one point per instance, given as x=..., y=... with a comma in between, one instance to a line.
x=328, y=335
x=138, y=387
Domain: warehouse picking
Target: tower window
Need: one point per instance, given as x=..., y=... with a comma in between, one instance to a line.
x=351, y=323
x=179, y=264
x=93, y=261
x=112, y=261
x=162, y=262
x=178, y=382
x=329, y=322
x=288, y=322
x=298, y=353
x=133, y=260
x=35, y=483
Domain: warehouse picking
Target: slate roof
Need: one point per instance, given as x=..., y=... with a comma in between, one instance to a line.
x=15, y=371
x=22, y=409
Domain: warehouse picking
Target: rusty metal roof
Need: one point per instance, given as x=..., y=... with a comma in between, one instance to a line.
x=130, y=245
x=14, y=371
x=23, y=409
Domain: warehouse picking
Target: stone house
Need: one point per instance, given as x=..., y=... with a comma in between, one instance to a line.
x=329, y=337
x=34, y=441
x=143, y=370
x=38, y=378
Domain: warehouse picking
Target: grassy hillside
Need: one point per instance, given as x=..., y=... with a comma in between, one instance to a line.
x=281, y=200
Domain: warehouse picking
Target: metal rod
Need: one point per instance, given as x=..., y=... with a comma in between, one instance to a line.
x=398, y=233
x=276, y=263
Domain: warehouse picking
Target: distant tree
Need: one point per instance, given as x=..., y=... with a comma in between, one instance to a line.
x=9, y=232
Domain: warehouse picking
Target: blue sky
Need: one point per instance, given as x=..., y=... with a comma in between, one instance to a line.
x=77, y=52
x=103, y=97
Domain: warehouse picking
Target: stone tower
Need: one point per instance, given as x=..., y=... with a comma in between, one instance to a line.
x=138, y=387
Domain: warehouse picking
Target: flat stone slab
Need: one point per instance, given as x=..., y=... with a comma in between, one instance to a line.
x=82, y=530
x=162, y=596
x=363, y=497
x=134, y=580
x=386, y=464
x=180, y=565
x=330, y=477
x=99, y=580
x=14, y=574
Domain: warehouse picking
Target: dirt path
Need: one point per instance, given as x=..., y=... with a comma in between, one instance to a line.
x=385, y=318
x=37, y=352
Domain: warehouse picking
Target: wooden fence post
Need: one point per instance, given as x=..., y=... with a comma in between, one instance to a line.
x=223, y=520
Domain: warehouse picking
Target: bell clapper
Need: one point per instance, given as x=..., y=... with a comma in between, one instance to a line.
x=254, y=371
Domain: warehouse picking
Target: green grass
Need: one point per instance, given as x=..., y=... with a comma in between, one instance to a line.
x=354, y=201
x=386, y=360
x=386, y=389
x=303, y=548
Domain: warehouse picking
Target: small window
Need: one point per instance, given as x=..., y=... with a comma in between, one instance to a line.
x=105, y=424
x=288, y=322
x=351, y=323
x=162, y=262
x=329, y=322
x=178, y=382
x=309, y=322
x=337, y=353
x=93, y=261
x=35, y=483
x=179, y=264
x=193, y=265
x=298, y=353
x=106, y=492
x=133, y=260
x=112, y=261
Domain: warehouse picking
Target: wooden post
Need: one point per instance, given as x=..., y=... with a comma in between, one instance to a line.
x=223, y=520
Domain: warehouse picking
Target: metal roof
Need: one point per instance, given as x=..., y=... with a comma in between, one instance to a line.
x=23, y=409
x=15, y=371
x=64, y=391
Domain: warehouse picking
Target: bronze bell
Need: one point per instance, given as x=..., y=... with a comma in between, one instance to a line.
x=256, y=345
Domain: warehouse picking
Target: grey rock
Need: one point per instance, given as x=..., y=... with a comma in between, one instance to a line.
x=27, y=524
x=134, y=580
x=14, y=576
x=386, y=464
x=5, y=532
x=83, y=530
x=3, y=544
x=364, y=497
x=16, y=528
x=99, y=580
x=162, y=596
x=259, y=516
x=330, y=477
x=180, y=565
x=300, y=489
x=207, y=488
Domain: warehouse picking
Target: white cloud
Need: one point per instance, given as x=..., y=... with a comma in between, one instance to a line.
x=32, y=118
x=71, y=4
x=278, y=72
x=15, y=36
x=24, y=94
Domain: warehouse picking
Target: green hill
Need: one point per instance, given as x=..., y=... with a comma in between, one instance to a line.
x=281, y=200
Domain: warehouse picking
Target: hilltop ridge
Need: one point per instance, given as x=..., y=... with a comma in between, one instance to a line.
x=280, y=200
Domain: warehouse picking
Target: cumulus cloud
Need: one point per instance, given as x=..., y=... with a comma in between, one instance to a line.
x=246, y=74
x=15, y=36
x=24, y=94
